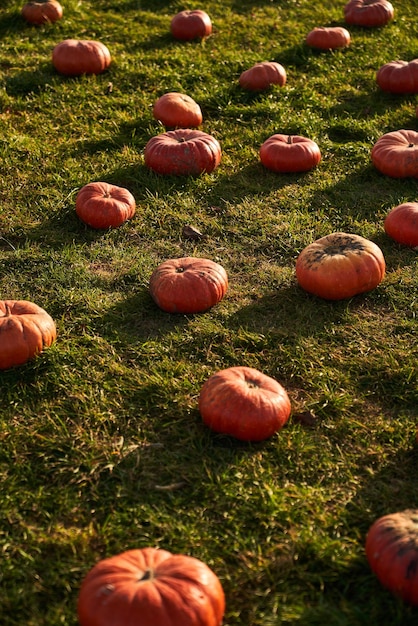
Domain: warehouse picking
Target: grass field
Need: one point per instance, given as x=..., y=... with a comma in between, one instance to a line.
x=102, y=448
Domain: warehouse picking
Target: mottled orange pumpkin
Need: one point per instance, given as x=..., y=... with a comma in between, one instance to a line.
x=392, y=553
x=340, y=265
x=151, y=587
x=25, y=330
x=244, y=403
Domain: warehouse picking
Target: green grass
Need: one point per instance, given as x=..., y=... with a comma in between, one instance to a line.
x=102, y=448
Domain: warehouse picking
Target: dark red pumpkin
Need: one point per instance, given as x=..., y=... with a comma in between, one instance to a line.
x=188, y=285
x=25, y=330
x=244, y=403
x=150, y=587
x=48, y=11
x=182, y=152
x=392, y=553
x=177, y=110
x=339, y=266
x=74, y=57
x=401, y=224
x=289, y=153
x=262, y=75
x=396, y=154
x=368, y=13
x=189, y=25
x=102, y=205
x=399, y=77
x=328, y=38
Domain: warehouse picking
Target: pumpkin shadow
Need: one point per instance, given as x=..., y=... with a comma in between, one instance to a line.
x=30, y=82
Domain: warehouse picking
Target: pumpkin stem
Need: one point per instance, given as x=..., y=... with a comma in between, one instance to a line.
x=290, y=139
x=147, y=575
x=411, y=145
x=8, y=311
x=179, y=270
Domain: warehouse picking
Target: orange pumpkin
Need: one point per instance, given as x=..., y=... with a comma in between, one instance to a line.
x=244, y=403
x=188, y=285
x=102, y=205
x=151, y=587
x=289, y=153
x=262, y=75
x=74, y=57
x=177, y=110
x=392, y=553
x=189, y=25
x=182, y=152
x=25, y=330
x=339, y=266
x=42, y=12
x=400, y=77
x=401, y=224
x=328, y=38
x=396, y=154
x=368, y=13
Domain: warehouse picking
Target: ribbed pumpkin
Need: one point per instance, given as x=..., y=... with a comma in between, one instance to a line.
x=37, y=13
x=103, y=205
x=188, y=285
x=182, y=152
x=328, y=38
x=177, y=110
x=399, y=77
x=369, y=13
x=244, y=403
x=150, y=587
x=262, y=75
x=401, y=224
x=340, y=265
x=289, y=153
x=74, y=57
x=396, y=154
x=392, y=553
x=25, y=330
